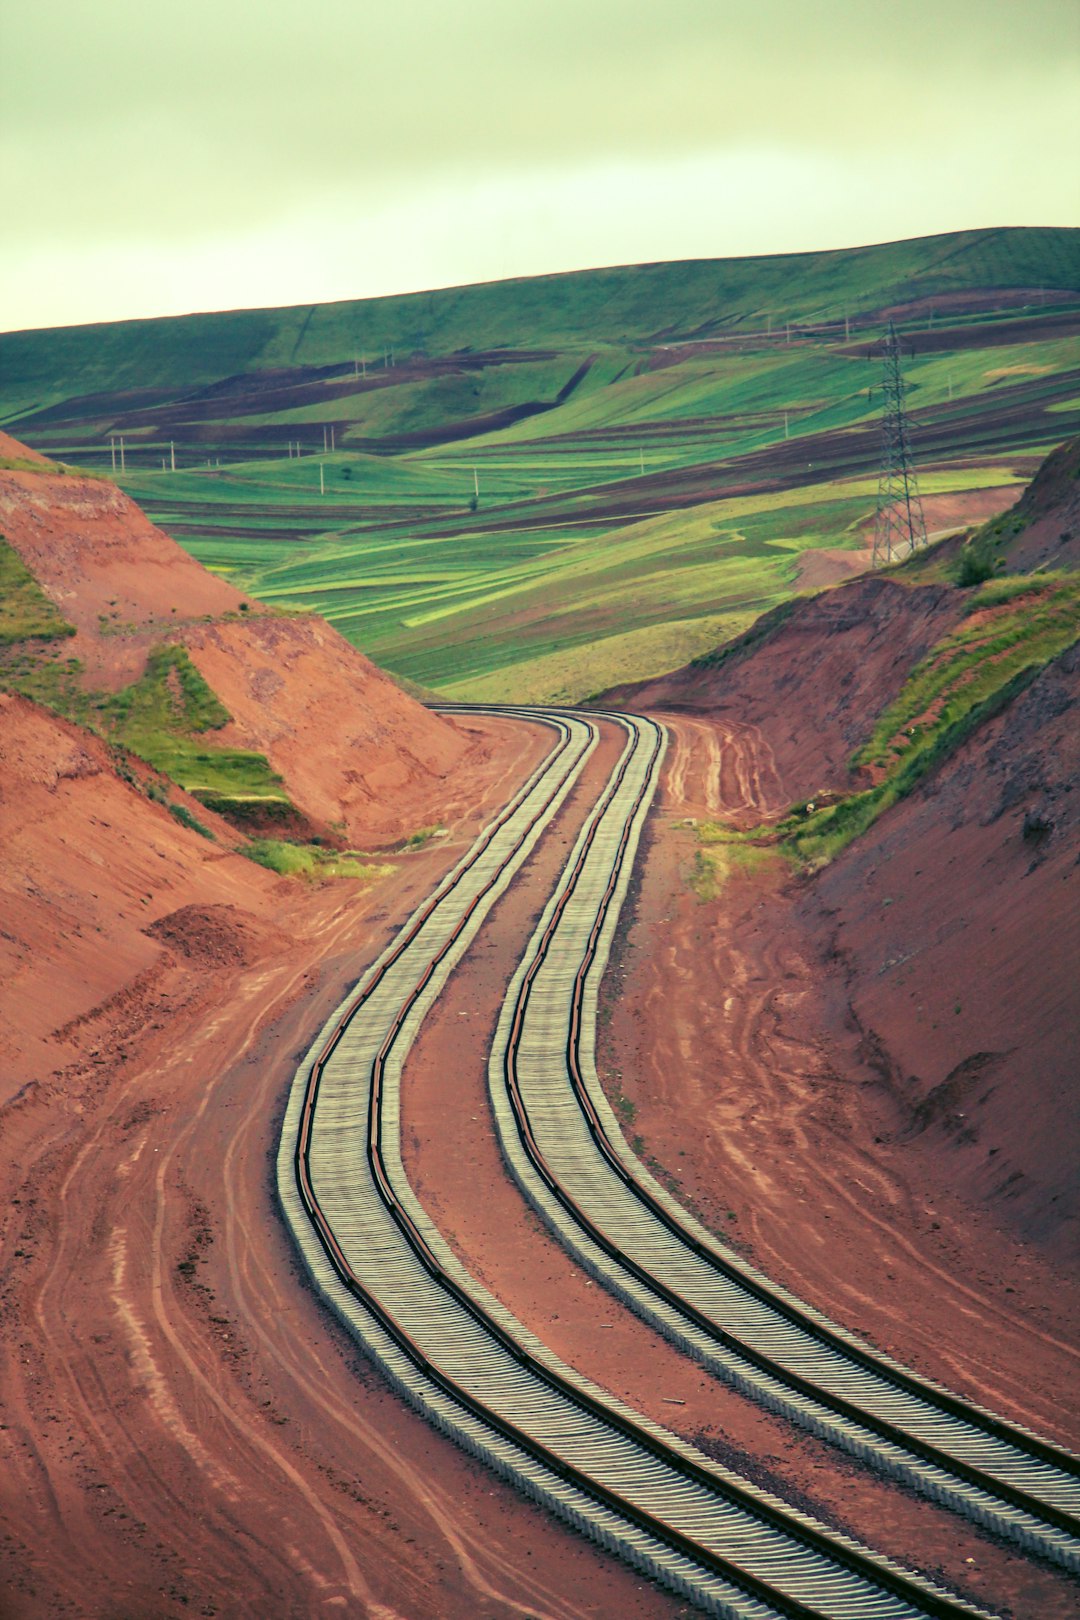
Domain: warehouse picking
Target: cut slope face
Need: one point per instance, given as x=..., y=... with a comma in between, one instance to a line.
x=99, y=558
x=1042, y=529
x=812, y=676
x=90, y=869
x=943, y=911
x=352, y=748
x=955, y=927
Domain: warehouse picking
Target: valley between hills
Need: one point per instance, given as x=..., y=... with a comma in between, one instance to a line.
x=834, y=1019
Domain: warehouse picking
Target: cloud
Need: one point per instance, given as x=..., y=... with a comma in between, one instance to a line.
x=164, y=134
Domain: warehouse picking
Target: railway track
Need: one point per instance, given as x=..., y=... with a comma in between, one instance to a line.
x=464, y=1361
x=576, y=1169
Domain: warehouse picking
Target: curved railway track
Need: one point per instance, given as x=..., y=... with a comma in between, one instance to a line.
x=575, y=1167
x=464, y=1361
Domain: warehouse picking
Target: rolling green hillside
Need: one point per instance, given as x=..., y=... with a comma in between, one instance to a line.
x=536, y=488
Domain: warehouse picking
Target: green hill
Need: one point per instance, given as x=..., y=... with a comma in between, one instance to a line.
x=537, y=487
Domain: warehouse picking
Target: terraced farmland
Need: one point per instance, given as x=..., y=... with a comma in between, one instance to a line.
x=533, y=489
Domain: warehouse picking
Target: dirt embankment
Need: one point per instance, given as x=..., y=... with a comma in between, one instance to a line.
x=90, y=868
x=1042, y=530
x=355, y=751
x=104, y=564
x=811, y=678
x=954, y=932
x=353, y=748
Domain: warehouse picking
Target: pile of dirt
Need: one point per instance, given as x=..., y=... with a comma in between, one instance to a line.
x=217, y=935
x=356, y=752
x=812, y=676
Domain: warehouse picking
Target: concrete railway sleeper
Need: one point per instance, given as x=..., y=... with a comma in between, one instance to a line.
x=578, y=1172
x=464, y=1360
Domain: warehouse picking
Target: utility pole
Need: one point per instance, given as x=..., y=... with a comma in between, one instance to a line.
x=123, y=465
x=172, y=453
x=322, y=480
x=899, y=524
x=112, y=447
x=331, y=438
x=476, y=485
x=325, y=446
x=787, y=435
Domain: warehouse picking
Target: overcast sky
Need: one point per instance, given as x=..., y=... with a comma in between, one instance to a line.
x=213, y=154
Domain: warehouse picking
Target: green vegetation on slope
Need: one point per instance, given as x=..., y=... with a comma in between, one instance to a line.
x=25, y=611
x=163, y=718
x=690, y=298
x=1013, y=629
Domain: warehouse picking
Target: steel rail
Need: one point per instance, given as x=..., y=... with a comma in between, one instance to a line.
x=1029, y=1531
x=885, y=1579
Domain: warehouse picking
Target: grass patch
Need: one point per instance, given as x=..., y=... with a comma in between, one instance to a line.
x=723, y=854
x=312, y=862
x=26, y=613
x=163, y=718
x=424, y=835
x=170, y=696
x=184, y=816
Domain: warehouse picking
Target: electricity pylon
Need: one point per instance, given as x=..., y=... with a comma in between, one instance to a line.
x=899, y=525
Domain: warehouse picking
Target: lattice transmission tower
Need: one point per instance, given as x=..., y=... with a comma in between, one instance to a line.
x=899, y=525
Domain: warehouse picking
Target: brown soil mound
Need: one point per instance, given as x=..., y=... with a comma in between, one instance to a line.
x=214, y=934
x=814, y=687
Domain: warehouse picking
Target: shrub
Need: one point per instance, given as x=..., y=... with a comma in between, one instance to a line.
x=975, y=568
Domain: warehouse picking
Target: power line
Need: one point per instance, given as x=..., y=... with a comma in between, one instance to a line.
x=899, y=524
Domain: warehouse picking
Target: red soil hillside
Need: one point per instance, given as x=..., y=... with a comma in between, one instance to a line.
x=811, y=676
x=1042, y=530
x=98, y=556
x=12, y=450
x=947, y=936
x=953, y=926
x=91, y=874
x=353, y=748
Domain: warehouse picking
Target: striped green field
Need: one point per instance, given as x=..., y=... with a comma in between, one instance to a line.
x=533, y=489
